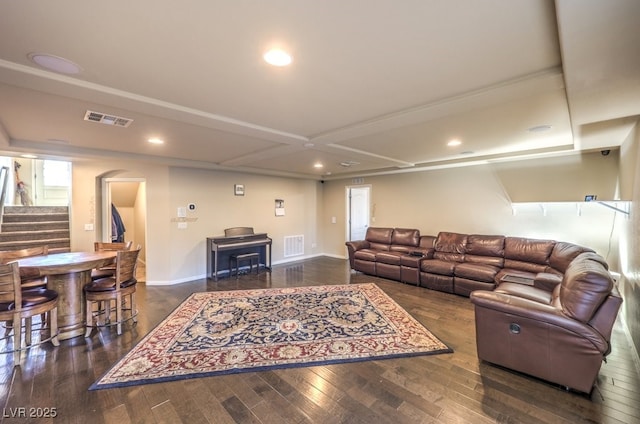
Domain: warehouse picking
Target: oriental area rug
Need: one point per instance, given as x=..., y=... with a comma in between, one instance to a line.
x=225, y=332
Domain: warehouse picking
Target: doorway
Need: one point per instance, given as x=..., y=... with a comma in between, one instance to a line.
x=124, y=202
x=358, y=211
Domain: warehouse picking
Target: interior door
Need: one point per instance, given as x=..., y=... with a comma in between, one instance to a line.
x=359, y=211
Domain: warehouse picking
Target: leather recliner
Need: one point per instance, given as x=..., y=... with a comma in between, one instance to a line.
x=560, y=335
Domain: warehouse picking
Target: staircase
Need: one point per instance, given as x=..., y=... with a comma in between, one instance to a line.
x=29, y=226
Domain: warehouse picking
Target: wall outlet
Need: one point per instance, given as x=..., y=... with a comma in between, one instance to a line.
x=88, y=227
x=182, y=225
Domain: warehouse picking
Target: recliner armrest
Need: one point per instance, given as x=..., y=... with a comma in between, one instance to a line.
x=546, y=281
x=357, y=245
x=543, y=313
x=354, y=246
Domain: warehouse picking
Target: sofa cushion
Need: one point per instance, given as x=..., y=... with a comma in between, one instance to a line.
x=450, y=257
x=402, y=248
x=436, y=266
x=478, y=272
x=405, y=237
x=450, y=242
x=528, y=250
x=586, y=284
x=485, y=245
x=486, y=260
x=525, y=266
x=392, y=258
x=379, y=235
x=563, y=253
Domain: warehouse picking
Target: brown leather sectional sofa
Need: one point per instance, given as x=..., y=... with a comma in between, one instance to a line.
x=543, y=307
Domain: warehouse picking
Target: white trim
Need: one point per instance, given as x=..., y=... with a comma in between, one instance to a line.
x=204, y=276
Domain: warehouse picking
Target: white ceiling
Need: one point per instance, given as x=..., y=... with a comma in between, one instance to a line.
x=383, y=84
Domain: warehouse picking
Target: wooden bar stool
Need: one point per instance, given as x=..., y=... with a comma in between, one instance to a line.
x=236, y=259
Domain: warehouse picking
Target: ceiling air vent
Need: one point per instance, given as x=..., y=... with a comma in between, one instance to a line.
x=103, y=118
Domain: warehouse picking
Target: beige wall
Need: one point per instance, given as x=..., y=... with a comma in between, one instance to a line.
x=561, y=179
x=471, y=200
x=140, y=220
x=217, y=208
x=87, y=204
x=176, y=255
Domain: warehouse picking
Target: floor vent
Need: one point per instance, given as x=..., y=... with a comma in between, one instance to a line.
x=293, y=246
x=103, y=118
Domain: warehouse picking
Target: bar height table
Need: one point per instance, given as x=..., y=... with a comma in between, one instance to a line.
x=67, y=273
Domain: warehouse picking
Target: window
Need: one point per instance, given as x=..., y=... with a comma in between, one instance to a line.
x=56, y=173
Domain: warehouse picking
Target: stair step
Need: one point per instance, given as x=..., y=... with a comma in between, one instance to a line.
x=34, y=235
x=39, y=217
x=34, y=209
x=8, y=227
x=60, y=243
x=31, y=226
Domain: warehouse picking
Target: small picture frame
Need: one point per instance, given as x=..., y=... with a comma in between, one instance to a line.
x=238, y=189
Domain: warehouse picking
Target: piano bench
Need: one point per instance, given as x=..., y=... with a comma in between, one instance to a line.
x=236, y=259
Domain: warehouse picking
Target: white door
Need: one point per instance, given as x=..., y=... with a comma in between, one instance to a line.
x=359, y=211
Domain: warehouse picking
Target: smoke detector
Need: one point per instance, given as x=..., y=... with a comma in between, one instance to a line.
x=103, y=118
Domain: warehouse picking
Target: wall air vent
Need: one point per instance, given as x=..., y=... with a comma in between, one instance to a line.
x=293, y=245
x=103, y=118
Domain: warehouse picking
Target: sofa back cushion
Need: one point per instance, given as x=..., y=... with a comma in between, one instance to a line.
x=485, y=245
x=485, y=250
x=405, y=237
x=528, y=250
x=585, y=286
x=450, y=246
x=451, y=242
x=563, y=253
x=377, y=236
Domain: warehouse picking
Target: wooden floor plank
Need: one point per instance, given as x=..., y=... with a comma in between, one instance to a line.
x=447, y=388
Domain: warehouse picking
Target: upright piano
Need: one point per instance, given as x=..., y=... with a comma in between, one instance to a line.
x=236, y=240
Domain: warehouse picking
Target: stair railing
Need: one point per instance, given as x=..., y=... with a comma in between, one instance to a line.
x=4, y=179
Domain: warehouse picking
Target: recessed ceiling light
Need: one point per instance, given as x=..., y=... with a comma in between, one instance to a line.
x=55, y=63
x=155, y=140
x=29, y=156
x=454, y=142
x=318, y=165
x=277, y=57
x=540, y=128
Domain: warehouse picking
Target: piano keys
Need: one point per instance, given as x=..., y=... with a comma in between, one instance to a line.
x=236, y=240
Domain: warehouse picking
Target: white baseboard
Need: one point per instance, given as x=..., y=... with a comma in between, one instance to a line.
x=203, y=276
x=634, y=351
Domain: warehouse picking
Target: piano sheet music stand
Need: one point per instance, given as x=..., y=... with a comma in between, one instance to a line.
x=236, y=240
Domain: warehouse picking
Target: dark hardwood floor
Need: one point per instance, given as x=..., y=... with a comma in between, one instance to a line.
x=447, y=388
